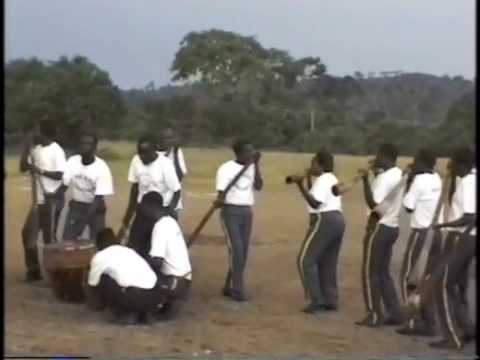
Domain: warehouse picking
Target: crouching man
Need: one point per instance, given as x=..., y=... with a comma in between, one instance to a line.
x=121, y=280
x=168, y=256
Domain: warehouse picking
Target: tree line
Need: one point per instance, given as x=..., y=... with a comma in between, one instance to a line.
x=228, y=84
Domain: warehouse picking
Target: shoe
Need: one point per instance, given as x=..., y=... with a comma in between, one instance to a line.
x=415, y=331
x=368, y=322
x=314, y=307
x=145, y=318
x=33, y=276
x=467, y=338
x=445, y=344
x=330, y=307
x=238, y=296
x=227, y=292
x=127, y=319
x=392, y=322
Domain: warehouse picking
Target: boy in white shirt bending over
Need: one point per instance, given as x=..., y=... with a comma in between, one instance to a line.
x=318, y=257
x=236, y=214
x=48, y=163
x=169, y=148
x=149, y=171
x=168, y=255
x=90, y=179
x=378, y=285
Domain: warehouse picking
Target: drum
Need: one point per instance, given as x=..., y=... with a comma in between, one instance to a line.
x=67, y=265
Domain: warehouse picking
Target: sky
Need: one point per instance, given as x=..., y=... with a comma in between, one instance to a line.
x=136, y=40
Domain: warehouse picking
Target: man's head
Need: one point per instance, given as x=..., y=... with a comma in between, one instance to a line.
x=48, y=132
x=386, y=156
x=88, y=144
x=463, y=160
x=105, y=238
x=151, y=205
x=424, y=160
x=147, y=149
x=322, y=162
x=168, y=139
x=244, y=151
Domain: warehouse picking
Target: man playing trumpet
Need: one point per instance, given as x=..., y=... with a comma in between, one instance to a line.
x=318, y=256
x=384, y=198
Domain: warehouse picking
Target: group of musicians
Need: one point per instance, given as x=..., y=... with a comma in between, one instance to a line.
x=149, y=276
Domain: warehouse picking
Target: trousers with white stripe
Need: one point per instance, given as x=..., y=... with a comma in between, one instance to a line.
x=412, y=253
x=236, y=222
x=318, y=257
x=451, y=279
x=378, y=285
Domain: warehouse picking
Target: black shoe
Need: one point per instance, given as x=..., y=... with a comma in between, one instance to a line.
x=33, y=276
x=445, y=344
x=145, y=318
x=392, y=322
x=368, y=322
x=127, y=319
x=313, y=307
x=415, y=331
x=330, y=307
x=227, y=292
x=238, y=296
x=467, y=338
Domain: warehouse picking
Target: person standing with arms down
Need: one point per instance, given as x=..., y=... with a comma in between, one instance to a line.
x=236, y=212
x=451, y=277
x=378, y=285
x=90, y=180
x=318, y=257
x=169, y=148
x=48, y=164
x=149, y=171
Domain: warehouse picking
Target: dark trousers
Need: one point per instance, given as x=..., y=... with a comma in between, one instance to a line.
x=140, y=235
x=75, y=221
x=136, y=300
x=450, y=287
x=378, y=282
x=318, y=257
x=237, y=225
x=48, y=215
x=415, y=245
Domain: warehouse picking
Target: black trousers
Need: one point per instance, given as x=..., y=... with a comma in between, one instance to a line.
x=136, y=300
x=237, y=225
x=48, y=216
x=74, y=223
x=415, y=245
x=450, y=287
x=378, y=283
x=318, y=257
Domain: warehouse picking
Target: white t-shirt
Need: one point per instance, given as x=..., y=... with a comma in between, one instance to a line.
x=242, y=193
x=322, y=191
x=159, y=176
x=467, y=197
x=382, y=186
x=168, y=243
x=48, y=158
x=181, y=159
x=183, y=167
x=124, y=266
x=422, y=198
x=88, y=181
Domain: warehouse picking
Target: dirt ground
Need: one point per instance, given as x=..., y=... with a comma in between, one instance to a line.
x=271, y=323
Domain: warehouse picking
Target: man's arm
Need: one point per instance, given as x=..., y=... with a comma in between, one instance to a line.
x=367, y=192
x=175, y=200
x=55, y=175
x=258, y=181
x=156, y=264
x=465, y=220
x=176, y=163
x=306, y=195
x=132, y=205
x=24, y=165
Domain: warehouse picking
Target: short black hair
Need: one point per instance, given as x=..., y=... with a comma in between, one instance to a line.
x=238, y=145
x=389, y=151
x=105, y=238
x=427, y=157
x=48, y=129
x=89, y=133
x=148, y=139
x=325, y=160
x=464, y=156
x=152, y=201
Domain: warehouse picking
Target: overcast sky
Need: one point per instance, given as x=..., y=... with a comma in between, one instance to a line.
x=136, y=40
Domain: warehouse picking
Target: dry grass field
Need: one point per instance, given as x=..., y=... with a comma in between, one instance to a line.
x=271, y=323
